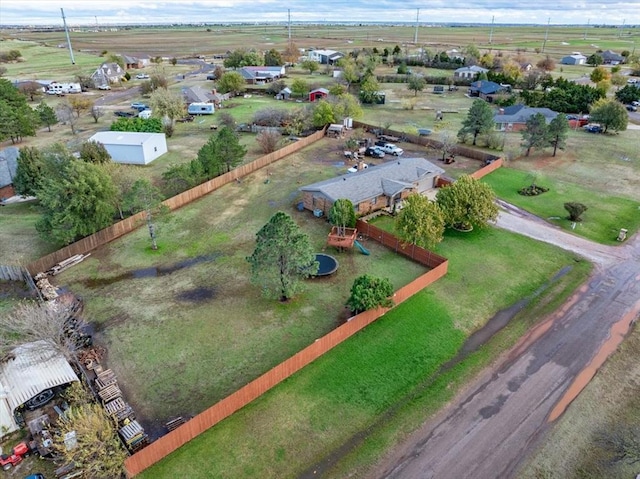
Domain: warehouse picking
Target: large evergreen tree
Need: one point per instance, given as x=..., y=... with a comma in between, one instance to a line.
x=47, y=114
x=75, y=202
x=94, y=152
x=611, y=114
x=479, y=120
x=558, y=132
x=30, y=171
x=467, y=203
x=536, y=134
x=420, y=221
x=369, y=292
x=282, y=258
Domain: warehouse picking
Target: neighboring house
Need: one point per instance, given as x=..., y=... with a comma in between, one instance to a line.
x=455, y=54
x=8, y=168
x=611, y=58
x=378, y=187
x=197, y=94
x=526, y=67
x=469, y=72
x=325, y=57
x=574, y=59
x=131, y=62
x=514, y=118
x=485, y=89
x=31, y=375
x=262, y=74
x=318, y=94
x=132, y=148
x=107, y=73
x=285, y=94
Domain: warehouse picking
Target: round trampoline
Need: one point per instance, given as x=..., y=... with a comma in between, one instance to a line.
x=328, y=264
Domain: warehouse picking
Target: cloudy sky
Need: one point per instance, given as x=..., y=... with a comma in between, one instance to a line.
x=47, y=12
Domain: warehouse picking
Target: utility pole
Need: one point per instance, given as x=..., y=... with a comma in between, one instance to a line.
x=546, y=35
x=585, y=30
x=66, y=30
x=491, y=31
x=623, y=22
x=415, y=35
x=289, y=15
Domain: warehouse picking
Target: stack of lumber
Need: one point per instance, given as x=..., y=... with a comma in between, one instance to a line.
x=105, y=378
x=119, y=410
x=109, y=393
x=67, y=263
x=133, y=435
x=175, y=423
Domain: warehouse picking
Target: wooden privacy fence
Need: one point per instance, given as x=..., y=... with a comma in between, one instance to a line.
x=175, y=439
x=127, y=225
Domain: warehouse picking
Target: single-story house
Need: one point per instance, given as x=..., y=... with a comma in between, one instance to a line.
x=469, y=72
x=107, y=73
x=132, y=148
x=485, y=88
x=318, y=94
x=378, y=187
x=131, y=62
x=262, y=74
x=325, y=57
x=526, y=67
x=31, y=374
x=284, y=94
x=454, y=54
x=8, y=168
x=610, y=57
x=574, y=59
x=514, y=118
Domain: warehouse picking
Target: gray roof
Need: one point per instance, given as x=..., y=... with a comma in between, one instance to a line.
x=386, y=179
x=521, y=113
x=123, y=137
x=611, y=55
x=486, y=87
x=196, y=94
x=8, y=165
x=473, y=69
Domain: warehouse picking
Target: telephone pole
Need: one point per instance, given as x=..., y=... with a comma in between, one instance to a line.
x=491, y=31
x=585, y=30
x=66, y=31
x=289, y=15
x=546, y=35
x=415, y=35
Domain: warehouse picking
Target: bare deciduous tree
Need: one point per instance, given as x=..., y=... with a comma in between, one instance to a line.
x=269, y=140
x=55, y=323
x=97, y=112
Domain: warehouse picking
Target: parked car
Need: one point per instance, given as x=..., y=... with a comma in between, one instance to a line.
x=211, y=76
x=104, y=87
x=632, y=108
x=593, y=128
x=354, y=168
x=142, y=76
x=635, y=103
x=633, y=81
x=145, y=114
x=35, y=476
x=139, y=106
x=374, y=152
x=124, y=114
x=392, y=149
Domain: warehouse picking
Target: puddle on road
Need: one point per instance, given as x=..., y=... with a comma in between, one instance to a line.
x=152, y=272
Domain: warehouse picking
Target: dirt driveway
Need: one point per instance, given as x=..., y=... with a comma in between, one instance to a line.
x=491, y=426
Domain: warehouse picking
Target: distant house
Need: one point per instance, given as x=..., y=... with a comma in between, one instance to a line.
x=132, y=148
x=30, y=376
x=469, y=72
x=131, y=62
x=262, y=74
x=318, y=94
x=526, y=67
x=574, y=59
x=197, y=94
x=8, y=168
x=325, y=57
x=374, y=188
x=107, y=73
x=610, y=57
x=284, y=94
x=485, y=89
x=455, y=54
x=514, y=118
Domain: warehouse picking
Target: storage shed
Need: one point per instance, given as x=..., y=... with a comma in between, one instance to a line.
x=30, y=376
x=132, y=148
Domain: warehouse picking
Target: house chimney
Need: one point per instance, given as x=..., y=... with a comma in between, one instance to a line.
x=501, y=111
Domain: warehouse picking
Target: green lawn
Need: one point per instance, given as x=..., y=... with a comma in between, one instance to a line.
x=350, y=388
x=601, y=222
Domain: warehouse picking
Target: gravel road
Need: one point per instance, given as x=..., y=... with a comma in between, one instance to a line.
x=491, y=426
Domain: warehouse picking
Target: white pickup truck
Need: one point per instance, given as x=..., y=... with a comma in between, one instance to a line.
x=389, y=148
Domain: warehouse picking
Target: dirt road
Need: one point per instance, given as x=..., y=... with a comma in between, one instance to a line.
x=489, y=429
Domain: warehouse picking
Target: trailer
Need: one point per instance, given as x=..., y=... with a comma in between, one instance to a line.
x=201, y=109
x=56, y=88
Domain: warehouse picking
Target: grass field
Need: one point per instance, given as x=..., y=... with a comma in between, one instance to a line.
x=602, y=221
x=396, y=358
x=573, y=448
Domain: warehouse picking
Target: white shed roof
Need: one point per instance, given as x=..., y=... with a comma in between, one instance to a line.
x=35, y=368
x=123, y=137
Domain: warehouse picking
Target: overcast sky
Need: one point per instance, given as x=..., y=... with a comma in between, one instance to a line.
x=47, y=12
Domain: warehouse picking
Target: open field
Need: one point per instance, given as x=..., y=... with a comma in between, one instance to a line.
x=18, y=237
x=609, y=403
x=391, y=367
x=602, y=221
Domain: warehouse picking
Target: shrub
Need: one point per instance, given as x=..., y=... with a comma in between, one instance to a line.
x=575, y=210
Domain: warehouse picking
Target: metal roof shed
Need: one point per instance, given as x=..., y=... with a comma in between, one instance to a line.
x=132, y=148
x=32, y=369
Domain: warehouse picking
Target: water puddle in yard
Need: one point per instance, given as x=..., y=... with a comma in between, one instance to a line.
x=151, y=272
x=196, y=295
x=475, y=341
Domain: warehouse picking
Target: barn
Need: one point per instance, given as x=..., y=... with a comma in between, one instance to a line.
x=132, y=148
x=318, y=94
